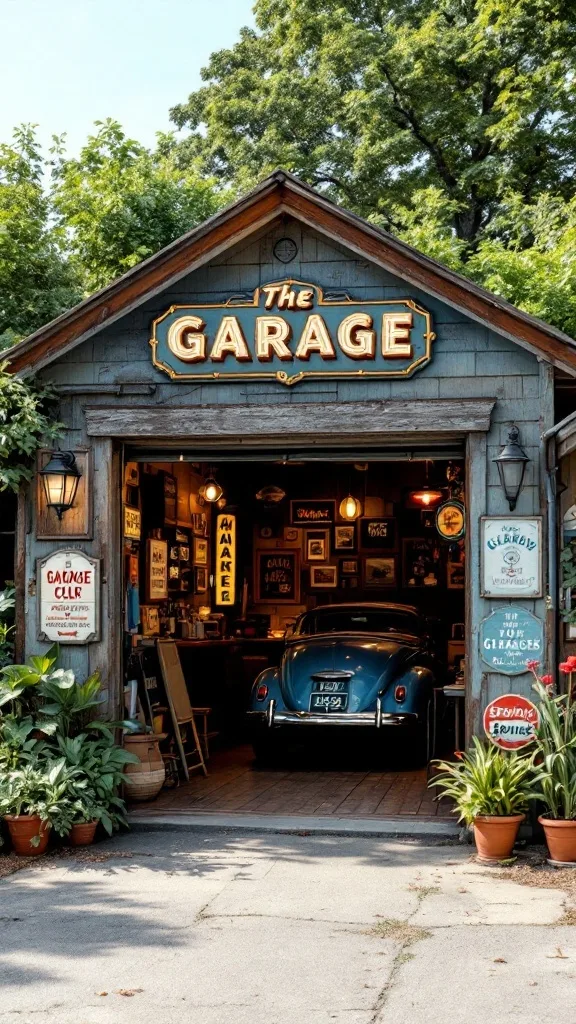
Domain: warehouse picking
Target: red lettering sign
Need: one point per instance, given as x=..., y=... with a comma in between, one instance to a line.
x=511, y=721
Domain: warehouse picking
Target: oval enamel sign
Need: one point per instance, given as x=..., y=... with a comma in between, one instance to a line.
x=511, y=721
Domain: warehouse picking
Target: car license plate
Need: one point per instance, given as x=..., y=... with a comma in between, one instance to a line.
x=327, y=702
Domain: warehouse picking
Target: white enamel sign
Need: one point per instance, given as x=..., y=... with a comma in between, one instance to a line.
x=69, y=597
x=511, y=556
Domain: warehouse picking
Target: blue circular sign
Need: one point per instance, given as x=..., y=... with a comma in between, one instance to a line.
x=510, y=637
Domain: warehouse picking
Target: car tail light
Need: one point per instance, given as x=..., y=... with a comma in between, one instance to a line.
x=262, y=692
x=400, y=693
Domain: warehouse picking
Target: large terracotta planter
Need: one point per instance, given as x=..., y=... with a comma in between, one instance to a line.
x=560, y=839
x=144, y=781
x=82, y=833
x=495, y=836
x=23, y=829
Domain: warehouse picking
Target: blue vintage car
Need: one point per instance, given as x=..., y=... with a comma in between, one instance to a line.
x=369, y=666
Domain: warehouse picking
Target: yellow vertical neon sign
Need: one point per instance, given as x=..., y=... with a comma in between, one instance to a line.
x=225, y=556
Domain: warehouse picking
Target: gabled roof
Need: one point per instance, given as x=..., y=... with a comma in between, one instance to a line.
x=282, y=193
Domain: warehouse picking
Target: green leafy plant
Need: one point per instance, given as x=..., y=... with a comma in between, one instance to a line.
x=98, y=763
x=19, y=683
x=486, y=781
x=42, y=789
x=555, y=771
x=69, y=705
x=7, y=604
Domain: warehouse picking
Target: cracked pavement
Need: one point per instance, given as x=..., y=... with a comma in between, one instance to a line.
x=211, y=926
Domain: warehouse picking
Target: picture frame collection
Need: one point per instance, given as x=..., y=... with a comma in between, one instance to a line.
x=367, y=553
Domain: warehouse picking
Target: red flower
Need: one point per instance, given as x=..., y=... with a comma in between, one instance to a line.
x=532, y=665
x=571, y=660
x=565, y=667
x=547, y=680
x=459, y=754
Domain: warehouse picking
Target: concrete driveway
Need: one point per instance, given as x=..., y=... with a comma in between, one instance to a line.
x=213, y=927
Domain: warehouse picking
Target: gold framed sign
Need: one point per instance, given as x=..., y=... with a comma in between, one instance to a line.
x=289, y=331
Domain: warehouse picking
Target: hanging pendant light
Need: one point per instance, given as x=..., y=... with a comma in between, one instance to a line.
x=211, y=489
x=350, y=508
x=426, y=497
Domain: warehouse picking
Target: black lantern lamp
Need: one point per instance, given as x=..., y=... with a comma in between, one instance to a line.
x=512, y=466
x=60, y=478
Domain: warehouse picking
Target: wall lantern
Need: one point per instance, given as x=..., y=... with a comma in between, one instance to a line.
x=350, y=508
x=211, y=490
x=511, y=467
x=60, y=477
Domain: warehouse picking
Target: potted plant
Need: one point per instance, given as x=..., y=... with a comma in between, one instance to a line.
x=34, y=800
x=490, y=789
x=555, y=770
x=97, y=765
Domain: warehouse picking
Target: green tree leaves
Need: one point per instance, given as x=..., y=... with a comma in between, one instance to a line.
x=120, y=202
x=376, y=102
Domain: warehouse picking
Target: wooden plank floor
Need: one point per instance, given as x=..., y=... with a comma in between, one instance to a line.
x=235, y=785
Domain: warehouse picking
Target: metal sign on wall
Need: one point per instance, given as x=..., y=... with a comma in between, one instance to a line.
x=289, y=331
x=511, y=548
x=510, y=637
x=69, y=597
x=511, y=721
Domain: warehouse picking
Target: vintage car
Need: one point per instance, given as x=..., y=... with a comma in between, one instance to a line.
x=366, y=665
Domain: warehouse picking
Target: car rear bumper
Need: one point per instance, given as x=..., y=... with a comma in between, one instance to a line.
x=373, y=719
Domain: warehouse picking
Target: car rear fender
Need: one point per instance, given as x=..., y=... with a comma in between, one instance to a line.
x=270, y=677
x=419, y=683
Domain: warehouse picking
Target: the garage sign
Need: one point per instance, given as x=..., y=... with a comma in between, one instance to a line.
x=69, y=597
x=511, y=721
x=289, y=330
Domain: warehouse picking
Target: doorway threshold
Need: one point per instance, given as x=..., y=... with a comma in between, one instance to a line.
x=169, y=820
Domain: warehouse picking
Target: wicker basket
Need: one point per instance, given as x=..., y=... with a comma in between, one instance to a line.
x=143, y=781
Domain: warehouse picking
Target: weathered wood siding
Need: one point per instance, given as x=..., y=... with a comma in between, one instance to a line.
x=469, y=361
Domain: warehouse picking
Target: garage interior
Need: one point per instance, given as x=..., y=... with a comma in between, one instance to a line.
x=311, y=528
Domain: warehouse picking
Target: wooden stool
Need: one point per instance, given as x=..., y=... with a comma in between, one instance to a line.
x=203, y=733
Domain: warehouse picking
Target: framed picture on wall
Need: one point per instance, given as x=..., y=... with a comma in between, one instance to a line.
x=199, y=524
x=312, y=512
x=345, y=537
x=378, y=533
x=277, y=576
x=349, y=567
x=200, y=579
x=156, y=569
x=421, y=562
x=380, y=572
x=455, y=566
x=200, y=551
x=325, y=576
x=316, y=545
x=149, y=620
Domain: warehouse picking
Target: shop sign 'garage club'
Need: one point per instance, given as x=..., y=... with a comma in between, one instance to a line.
x=289, y=324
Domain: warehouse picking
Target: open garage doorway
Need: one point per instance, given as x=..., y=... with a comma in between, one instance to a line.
x=316, y=601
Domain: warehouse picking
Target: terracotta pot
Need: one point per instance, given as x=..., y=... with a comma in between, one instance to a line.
x=82, y=833
x=144, y=781
x=560, y=838
x=495, y=836
x=23, y=828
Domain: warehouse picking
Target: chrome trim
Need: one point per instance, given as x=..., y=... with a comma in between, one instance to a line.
x=378, y=712
x=334, y=676
x=270, y=713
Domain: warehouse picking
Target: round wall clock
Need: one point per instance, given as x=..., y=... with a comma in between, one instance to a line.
x=451, y=520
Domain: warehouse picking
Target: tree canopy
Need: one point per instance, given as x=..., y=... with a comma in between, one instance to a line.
x=375, y=102
x=36, y=281
x=120, y=202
